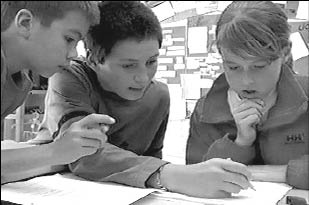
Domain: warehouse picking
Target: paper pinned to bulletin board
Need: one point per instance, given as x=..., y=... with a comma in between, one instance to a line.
x=197, y=39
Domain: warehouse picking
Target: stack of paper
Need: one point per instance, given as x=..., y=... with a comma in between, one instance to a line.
x=69, y=189
x=267, y=193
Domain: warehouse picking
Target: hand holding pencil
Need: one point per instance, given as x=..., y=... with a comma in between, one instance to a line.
x=250, y=185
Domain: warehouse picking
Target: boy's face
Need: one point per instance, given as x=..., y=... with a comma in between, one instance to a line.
x=251, y=78
x=129, y=68
x=50, y=48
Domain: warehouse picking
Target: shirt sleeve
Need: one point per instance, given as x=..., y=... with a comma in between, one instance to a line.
x=3, y=72
x=227, y=148
x=69, y=96
x=114, y=164
x=297, y=172
x=199, y=140
x=208, y=140
x=66, y=100
x=155, y=149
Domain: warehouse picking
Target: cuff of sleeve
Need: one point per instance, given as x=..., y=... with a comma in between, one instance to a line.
x=226, y=148
x=297, y=173
x=150, y=167
x=116, y=165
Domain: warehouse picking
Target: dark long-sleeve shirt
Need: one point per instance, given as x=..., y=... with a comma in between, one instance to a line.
x=135, y=141
x=13, y=94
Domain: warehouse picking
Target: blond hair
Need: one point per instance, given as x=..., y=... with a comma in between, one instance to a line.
x=48, y=11
x=254, y=29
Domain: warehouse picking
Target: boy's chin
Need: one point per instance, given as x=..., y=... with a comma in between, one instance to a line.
x=133, y=97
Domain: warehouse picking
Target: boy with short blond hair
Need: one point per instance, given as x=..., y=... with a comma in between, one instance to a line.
x=39, y=38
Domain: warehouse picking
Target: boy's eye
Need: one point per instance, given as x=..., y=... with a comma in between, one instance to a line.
x=127, y=66
x=259, y=66
x=233, y=67
x=69, y=39
x=151, y=62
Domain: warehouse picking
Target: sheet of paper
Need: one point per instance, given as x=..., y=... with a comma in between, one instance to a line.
x=165, y=60
x=267, y=193
x=179, y=60
x=302, y=12
x=178, y=39
x=299, y=48
x=192, y=63
x=179, y=66
x=206, y=83
x=59, y=189
x=167, y=74
x=174, y=48
x=162, y=67
x=162, y=51
x=191, y=85
x=164, y=10
x=167, y=31
x=175, y=53
x=197, y=39
x=178, y=104
x=167, y=42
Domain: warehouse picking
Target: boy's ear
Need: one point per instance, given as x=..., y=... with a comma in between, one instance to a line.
x=94, y=55
x=287, y=51
x=24, y=22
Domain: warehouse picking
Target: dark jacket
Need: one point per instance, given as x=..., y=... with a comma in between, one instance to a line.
x=282, y=139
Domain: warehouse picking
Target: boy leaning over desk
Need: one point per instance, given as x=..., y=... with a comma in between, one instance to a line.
x=39, y=38
x=116, y=79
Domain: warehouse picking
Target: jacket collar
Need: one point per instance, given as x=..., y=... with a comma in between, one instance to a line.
x=292, y=101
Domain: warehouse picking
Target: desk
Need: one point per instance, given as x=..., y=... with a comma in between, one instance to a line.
x=46, y=189
x=154, y=199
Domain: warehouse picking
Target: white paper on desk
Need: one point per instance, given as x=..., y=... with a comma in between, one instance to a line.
x=11, y=144
x=267, y=193
x=59, y=189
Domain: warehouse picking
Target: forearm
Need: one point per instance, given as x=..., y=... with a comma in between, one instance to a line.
x=298, y=172
x=227, y=148
x=117, y=165
x=168, y=177
x=171, y=177
x=23, y=159
x=270, y=173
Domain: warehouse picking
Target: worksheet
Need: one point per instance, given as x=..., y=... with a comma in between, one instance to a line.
x=267, y=193
x=69, y=189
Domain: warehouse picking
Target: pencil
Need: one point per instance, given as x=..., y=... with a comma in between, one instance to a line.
x=250, y=185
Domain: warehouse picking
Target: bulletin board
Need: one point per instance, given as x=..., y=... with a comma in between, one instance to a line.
x=172, y=54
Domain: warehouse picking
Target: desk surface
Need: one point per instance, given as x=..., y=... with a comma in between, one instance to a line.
x=153, y=199
x=51, y=183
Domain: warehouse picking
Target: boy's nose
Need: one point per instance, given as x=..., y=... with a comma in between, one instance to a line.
x=246, y=78
x=72, y=53
x=141, y=77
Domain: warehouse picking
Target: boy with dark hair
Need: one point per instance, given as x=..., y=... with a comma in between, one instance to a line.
x=39, y=38
x=117, y=80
